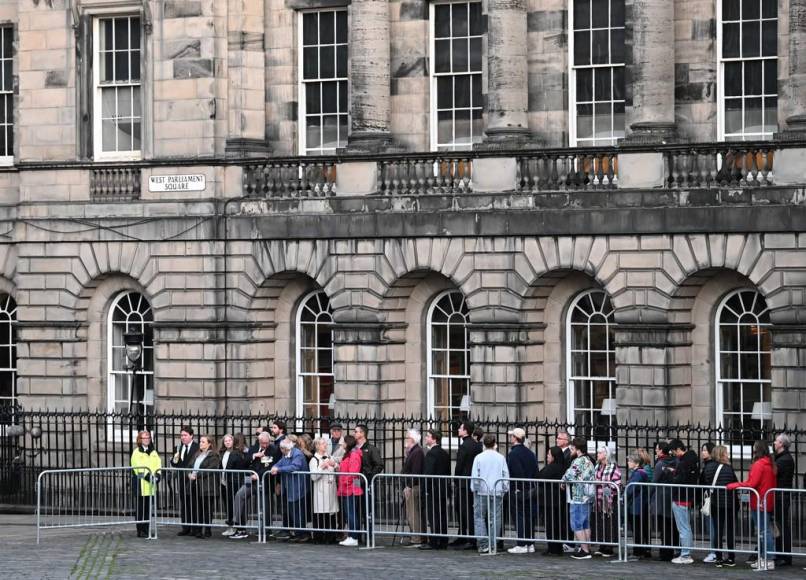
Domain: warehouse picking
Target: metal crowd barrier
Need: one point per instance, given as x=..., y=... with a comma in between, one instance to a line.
x=201, y=500
x=93, y=497
x=650, y=521
x=425, y=508
x=304, y=506
x=532, y=504
x=788, y=522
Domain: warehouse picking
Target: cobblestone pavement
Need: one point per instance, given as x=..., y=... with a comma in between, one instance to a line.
x=119, y=554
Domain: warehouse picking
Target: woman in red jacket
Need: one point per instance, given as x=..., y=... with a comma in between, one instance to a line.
x=350, y=490
x=762, y=479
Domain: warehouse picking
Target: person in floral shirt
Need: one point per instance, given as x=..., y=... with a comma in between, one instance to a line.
x=581, y=491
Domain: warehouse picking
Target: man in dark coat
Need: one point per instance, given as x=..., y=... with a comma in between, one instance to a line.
x=686, y=473
x=522, y=464
x=463, y=498
x=785, y=475
x=182, y=458
x=437, y=463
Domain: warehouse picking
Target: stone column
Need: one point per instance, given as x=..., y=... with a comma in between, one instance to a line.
x=369, y=76
x=792, y=55
x=507, y=73
x=497, y=352
x=788, y=373
x=651, y=117
x=357, y=358
x=246, y=78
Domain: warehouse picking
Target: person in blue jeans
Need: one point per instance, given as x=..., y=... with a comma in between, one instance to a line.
x=489, y=483
x=686, y=473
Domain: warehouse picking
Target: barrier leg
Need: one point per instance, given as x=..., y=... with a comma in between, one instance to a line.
x=38, y=511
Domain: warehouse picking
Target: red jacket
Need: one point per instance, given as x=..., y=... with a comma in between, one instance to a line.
x=762, y=479
x=350, y=484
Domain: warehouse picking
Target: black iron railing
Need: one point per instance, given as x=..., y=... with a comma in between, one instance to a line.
x=70, y=439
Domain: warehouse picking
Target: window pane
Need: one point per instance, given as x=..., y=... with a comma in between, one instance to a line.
x=124, y=102
x=733, y=115
x=733, y=79
x=771, y=76
x=462, y=129
x=442, y=54
x=584, y=85
x=442, y=20
x=602, y=87
x=750, y=39
x=327, y=62
x=444, y=92
x=313, y=133
x=477, y=99
x=310, y=63
x=753, y=116
x=341, y=61
x=445, y=127
x=344, y=104
x=327, y=28
x=770, y=114
x=600, y=10
x=121, y=33
x=584, y=121
x=581, y=14
x=476, y=19
x=618, y=83
x=769, y=8
x=769, y=38
x=460, y=62
x=617, y=46
x=460, y=19
x=462, y=91
x=752, y=77
x=730, y=41
x=341, y=26
x=617, y=13
x=582, y=48
x=750, y=9
x=600, y=47
x=329, y=103
x=475, y=54
x=312, y=98
x=309, y=27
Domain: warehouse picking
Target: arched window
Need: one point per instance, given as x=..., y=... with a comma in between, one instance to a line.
x=448, y=356
x=130, y=313
x=8, y=351
x=743, y=352
x=591, y=360
x=314, y=356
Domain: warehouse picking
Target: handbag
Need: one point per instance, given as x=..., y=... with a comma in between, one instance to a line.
x=706, y=502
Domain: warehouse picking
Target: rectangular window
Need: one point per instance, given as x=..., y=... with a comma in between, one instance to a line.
x=457, y=33
x=324, y=103
x=748, y=69
x=6, y=95
x=117, y=100
x=596, y=43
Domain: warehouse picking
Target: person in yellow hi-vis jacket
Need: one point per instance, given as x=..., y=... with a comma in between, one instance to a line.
x=144, y=455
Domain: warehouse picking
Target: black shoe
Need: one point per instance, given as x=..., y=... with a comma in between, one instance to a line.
x=780, y=562
x=581, y=555
x=200, y=535
x=471, y=546
x=141, y=534
x=426, y=547
x=751, y=560
x=729, y=563
x=183, y=533
x=208, y=533
x=457, y=543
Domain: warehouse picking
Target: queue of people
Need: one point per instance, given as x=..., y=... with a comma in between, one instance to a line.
x=321, y=484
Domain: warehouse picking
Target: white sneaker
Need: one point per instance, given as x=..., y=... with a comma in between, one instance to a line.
x=683, y=560
x=228, y=532
x=710, y=558
x=349, y=542
x=760, y=565
x=531, y=548
x=568, y=549
x=519, y=550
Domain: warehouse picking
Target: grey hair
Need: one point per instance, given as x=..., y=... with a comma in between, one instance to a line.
x=785, y=440
x=635, y=458
x=415, y=435
x=319, y=440
x=286, y=444
x=264, y=435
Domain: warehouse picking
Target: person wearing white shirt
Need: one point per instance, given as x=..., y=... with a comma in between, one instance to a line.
x=489, y=484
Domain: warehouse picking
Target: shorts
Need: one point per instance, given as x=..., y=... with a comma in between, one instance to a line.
x=580, y=516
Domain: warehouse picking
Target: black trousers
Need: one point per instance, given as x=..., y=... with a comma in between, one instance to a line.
x=202, y=508
x=669, y=536
x=639, y=524
x=783, y=519
x=228, y=496
x=464, y=508
x=436, y=509
x=142, y=509
x=724, y=520
x=185, y=501
x=556, y=526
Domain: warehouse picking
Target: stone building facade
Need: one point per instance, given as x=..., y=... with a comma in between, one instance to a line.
x=376, y=206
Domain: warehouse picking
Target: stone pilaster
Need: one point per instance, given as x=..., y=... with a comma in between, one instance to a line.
x=369, y=76
x=792, y=49
x=357, y=359
x=246, y=78
x=497, y=352
x=507, y=66
x=642, y=353
x=788, y=373
x=651, y=117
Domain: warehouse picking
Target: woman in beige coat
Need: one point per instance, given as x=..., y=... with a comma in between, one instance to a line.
x=325, y=503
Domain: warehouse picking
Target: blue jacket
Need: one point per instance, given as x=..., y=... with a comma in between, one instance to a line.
x=522, y=463
x=293, y=484
x=638, y=495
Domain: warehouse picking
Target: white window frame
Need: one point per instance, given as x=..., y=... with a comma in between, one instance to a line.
x=299, y=373
x=430, y=394
x=302, y=115
x=98, y=153
x=112, y=373
x=720, y=85
x=8, y=315
x=571, y=378
x=719, y=398
x=573, y=140
x=9, y=125
x=433, y=76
